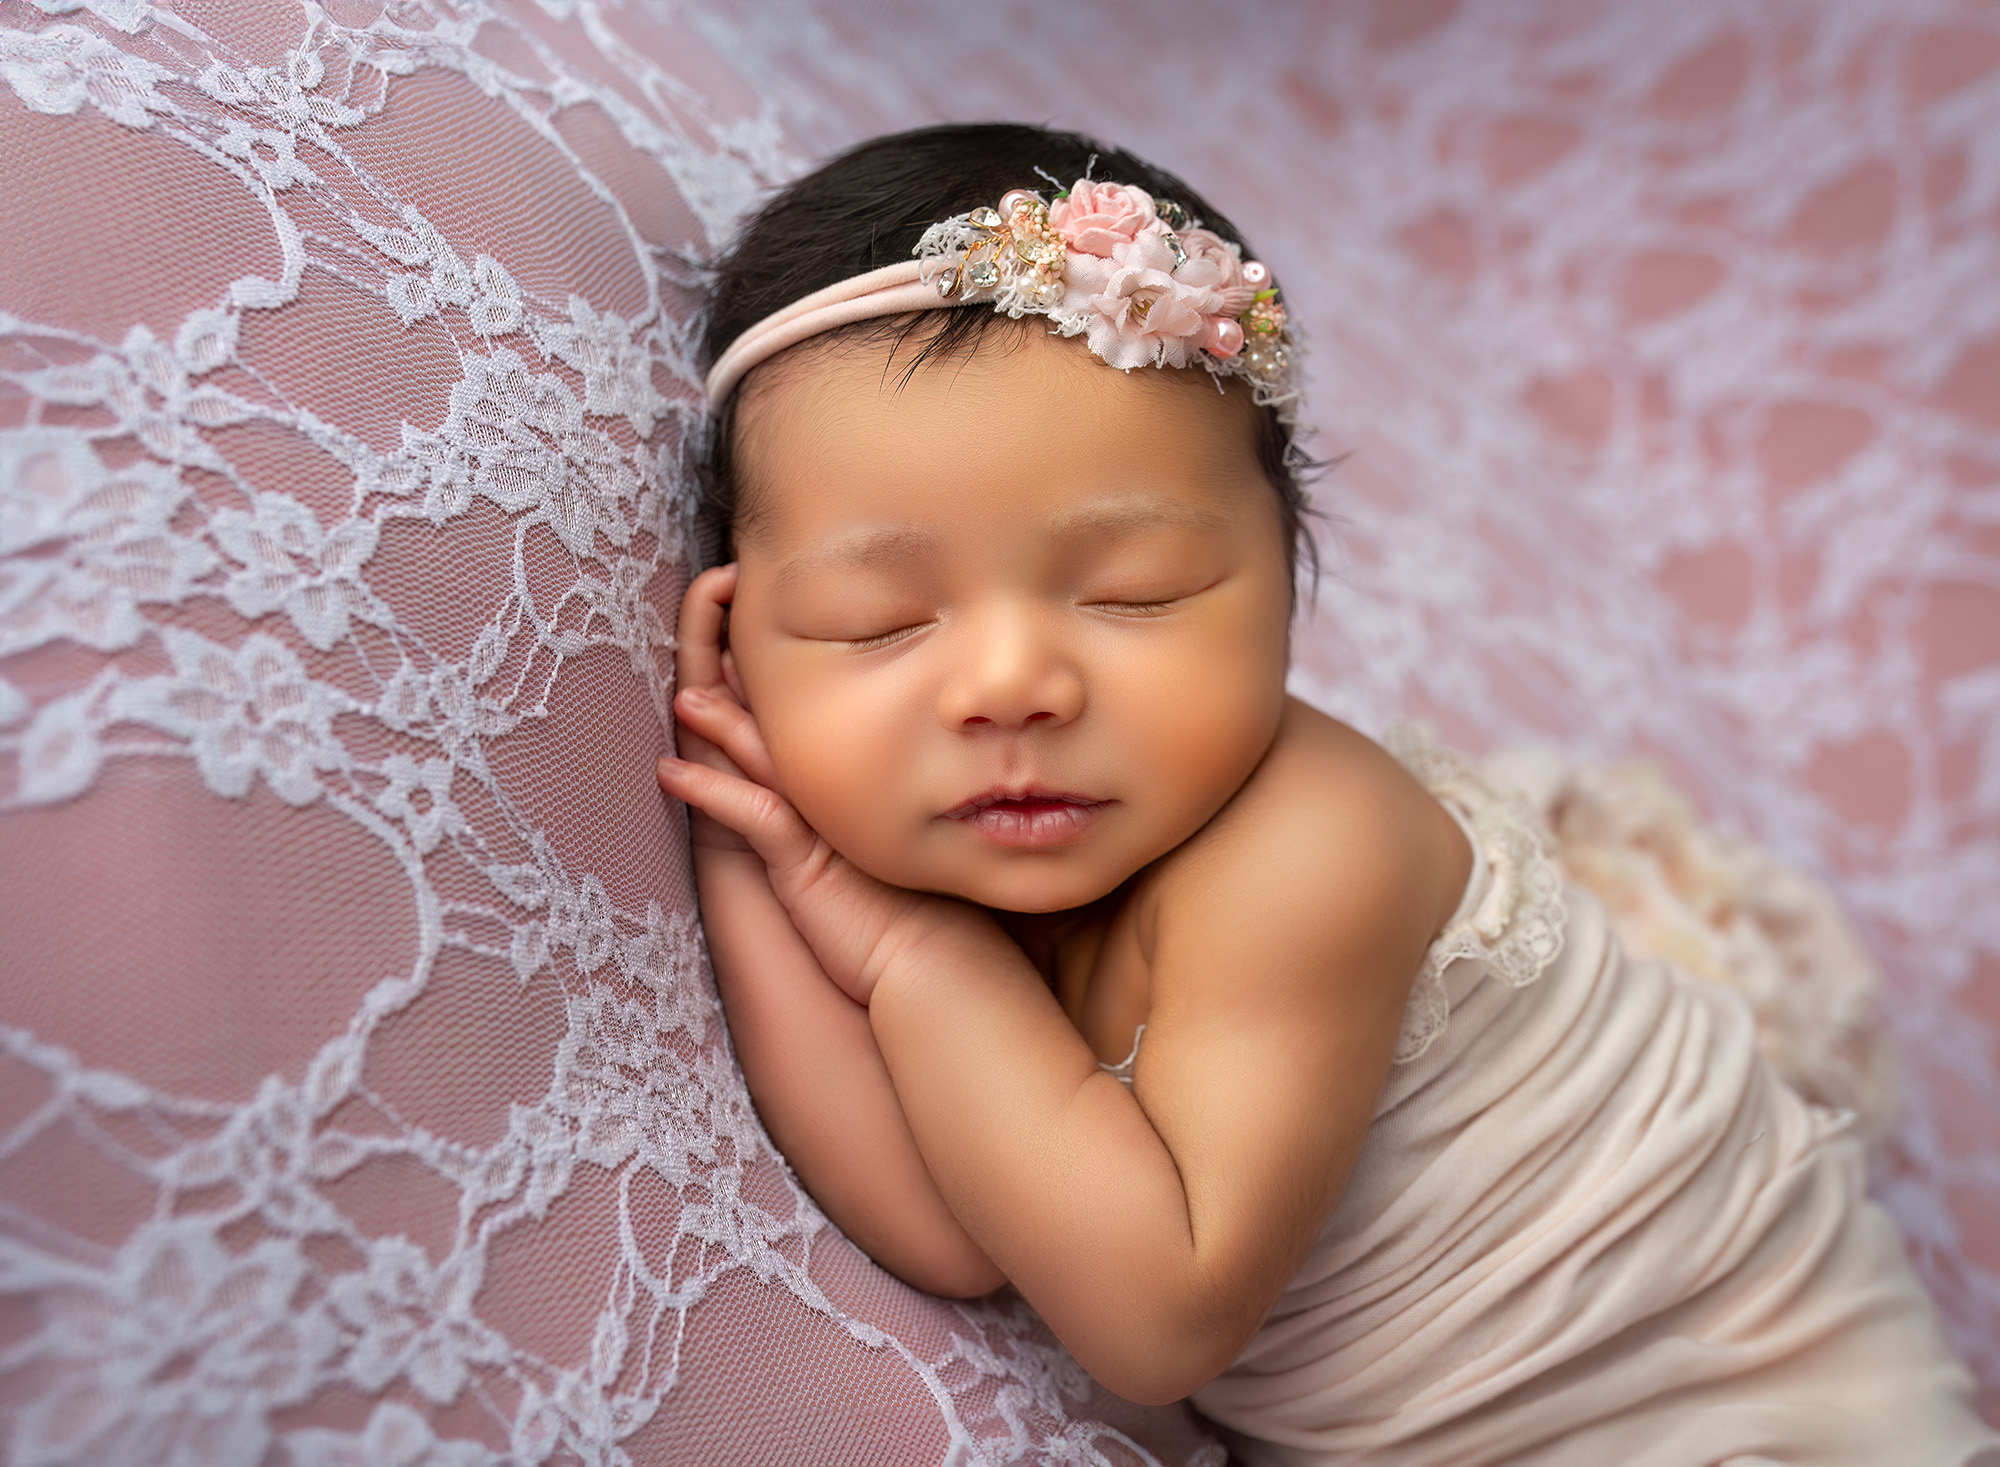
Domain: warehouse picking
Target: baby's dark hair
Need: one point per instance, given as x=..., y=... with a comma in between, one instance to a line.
x=868, y=207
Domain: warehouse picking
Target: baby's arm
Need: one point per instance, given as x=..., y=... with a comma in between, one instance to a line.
x=1152, y=1232
x=806, y=1048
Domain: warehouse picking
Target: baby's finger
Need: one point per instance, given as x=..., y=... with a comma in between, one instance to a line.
x=704, y=830
x=761, y=816
x=698, y=637
x=729, y=726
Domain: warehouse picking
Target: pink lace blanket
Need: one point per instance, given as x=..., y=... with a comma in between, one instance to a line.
x=362, y=1091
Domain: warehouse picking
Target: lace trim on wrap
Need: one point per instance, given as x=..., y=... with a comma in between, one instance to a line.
x=1122, y=1071
x=1516, y=926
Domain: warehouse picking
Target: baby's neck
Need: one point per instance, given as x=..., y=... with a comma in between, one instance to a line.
x=1048, y=937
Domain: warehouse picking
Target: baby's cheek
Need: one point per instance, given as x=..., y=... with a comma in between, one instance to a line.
x=841, y=761
x=1201, y=742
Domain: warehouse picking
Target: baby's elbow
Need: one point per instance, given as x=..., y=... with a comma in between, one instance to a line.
x=960, y=1278
x=1154, y=1382
x=938, y=1267
x=1160, y=1368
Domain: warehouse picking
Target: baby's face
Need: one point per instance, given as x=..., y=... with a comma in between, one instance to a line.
x=1014, y=630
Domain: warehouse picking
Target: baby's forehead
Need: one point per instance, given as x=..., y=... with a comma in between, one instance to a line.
x=1096, y=521
x=852, y=418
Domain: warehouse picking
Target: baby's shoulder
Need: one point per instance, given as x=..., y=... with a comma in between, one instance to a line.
x=1330, y=847
x=1326, y=799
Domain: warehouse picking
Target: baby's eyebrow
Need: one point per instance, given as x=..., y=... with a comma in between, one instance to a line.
x=1138, y=512
x=870, y=549
x=861, y=551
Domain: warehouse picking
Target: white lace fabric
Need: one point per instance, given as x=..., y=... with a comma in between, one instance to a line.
x=1664, y=340
x=1123, y=1071
x=363, y=1095
x=1514, y=926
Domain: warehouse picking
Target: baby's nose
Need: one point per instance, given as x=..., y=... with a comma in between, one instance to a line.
x=1011, y=675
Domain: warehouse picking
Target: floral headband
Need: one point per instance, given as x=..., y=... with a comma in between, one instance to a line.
x=1139, y=280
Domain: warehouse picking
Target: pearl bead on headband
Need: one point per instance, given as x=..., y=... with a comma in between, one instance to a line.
x=1143, y=284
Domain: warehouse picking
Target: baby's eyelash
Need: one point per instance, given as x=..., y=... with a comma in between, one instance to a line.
x=883, y=639
x=1138, y=608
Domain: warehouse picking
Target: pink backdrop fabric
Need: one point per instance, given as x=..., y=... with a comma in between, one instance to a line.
x=361, y=1085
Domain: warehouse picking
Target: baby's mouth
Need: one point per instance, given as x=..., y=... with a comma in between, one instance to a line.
x=1029, y=818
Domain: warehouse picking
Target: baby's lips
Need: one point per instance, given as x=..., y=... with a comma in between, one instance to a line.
x=1033, y=822
x=1033, y=795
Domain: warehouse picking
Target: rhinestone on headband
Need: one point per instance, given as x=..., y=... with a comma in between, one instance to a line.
x=1139, y=279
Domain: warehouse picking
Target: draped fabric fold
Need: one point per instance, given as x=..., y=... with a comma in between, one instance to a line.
x=1591, y=1225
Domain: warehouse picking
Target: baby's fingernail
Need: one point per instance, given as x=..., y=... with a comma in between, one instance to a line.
x=696, y=695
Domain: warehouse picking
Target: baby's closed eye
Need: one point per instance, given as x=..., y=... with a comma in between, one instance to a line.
x=870, y=641
x=1144, y=576
x=1145, y=596
x=860, y=623
x=1135, y=605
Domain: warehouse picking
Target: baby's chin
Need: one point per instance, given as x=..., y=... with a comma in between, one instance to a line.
x=1031, y=883
x=1028, y=892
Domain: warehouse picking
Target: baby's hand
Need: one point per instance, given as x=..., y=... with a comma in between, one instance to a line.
x=856, y=926
x=705, y=674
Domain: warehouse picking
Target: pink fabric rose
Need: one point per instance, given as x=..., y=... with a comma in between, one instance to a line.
x=1137, y=313
x=1212, y=265
x=1098, y=217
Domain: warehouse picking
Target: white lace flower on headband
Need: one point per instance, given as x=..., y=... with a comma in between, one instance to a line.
x=1142, y=283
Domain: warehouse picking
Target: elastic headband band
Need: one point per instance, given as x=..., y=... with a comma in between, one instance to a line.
x=1144, y=284
x=890, y=291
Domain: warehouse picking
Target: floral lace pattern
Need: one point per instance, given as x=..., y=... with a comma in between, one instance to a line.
x=378, y=1110
x=1723, y=496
